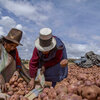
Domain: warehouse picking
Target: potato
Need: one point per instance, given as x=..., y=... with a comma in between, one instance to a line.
x=74, y=97
x=64, y=82
x=36, y=99
x=10, y=93
x=20, y=80
x=88, y=83
x=46, y=98
x=7, y=85
x=80, y=89
x=89, y=92
x=52, y=93
x=12, y=86
x=15, y=83
x=10, y=89
x=20, y=92
x=46, y=90
x=14, y=97
x=15, y=89
x=62, y=95
x=29, y=89
x=72, y=89
x=73, y=81
x=20, y=85
x=97, y=81
x=25, y=86
x=42, y=95
x=78, y=83
x=26, y=91
x=98, y=98
x=13, y=79
x=61, y=88
x=24, y=83
x=82, y=76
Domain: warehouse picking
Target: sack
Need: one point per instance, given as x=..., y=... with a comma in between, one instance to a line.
x=40, y=78
x=87, y=64
x=3, y=96
x=35, y=92
x=80, y=61
x=98, y=58
x=88, y=55
x=7, y=65
x=4, y=58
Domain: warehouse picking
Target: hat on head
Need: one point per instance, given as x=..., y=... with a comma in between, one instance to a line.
x=45, y=41
x=14, y=36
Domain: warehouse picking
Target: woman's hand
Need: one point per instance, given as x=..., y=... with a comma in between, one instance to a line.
x=31, y=84
x=2, y=84
x=64, y=62
x=42, y=70
x=16, y=73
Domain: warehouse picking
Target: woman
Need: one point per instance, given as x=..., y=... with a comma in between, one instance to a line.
x=9, y=58
x=50, y=55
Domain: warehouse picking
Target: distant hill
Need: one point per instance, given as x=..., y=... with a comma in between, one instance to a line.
x=27, y=61
x=71, y=60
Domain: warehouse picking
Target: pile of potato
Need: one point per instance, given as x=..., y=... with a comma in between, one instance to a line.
x=81, y=84
x=17, y=88
x=17, y=97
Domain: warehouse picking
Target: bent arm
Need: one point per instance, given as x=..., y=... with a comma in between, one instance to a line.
x=33, y=65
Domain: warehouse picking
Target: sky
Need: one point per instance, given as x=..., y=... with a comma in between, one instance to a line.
x=75, y=22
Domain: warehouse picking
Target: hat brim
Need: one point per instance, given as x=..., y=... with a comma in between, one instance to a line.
x=14, y=41
x=40, y=48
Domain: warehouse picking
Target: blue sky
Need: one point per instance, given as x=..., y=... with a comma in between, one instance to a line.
x=76, y=22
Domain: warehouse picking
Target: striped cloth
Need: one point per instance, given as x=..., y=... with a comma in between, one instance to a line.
x=4, y=59
x=35, y=92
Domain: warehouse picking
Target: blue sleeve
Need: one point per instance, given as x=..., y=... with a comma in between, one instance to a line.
x=18, y=66
x=64, y=53
x=60, y=45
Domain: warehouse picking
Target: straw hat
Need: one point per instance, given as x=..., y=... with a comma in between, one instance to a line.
x=45, y=41
x=14, y=36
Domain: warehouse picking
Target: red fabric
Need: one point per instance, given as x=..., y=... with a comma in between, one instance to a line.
x=15, y=55
x=18, y=61
x=55, y=60
x=33, y=66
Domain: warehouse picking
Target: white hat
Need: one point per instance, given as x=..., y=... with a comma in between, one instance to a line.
x=45, y=42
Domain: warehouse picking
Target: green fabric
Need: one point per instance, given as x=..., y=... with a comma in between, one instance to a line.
x=35, y=92
x=4, y=59
x=40, y=77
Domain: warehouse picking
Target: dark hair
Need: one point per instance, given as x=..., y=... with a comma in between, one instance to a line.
x=7, y=41
x=3, y=40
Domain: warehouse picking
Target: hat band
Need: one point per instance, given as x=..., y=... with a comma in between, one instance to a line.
x=45, y=43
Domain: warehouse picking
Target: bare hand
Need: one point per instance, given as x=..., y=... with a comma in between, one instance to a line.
x=3, y=87
x=64, y=62
x=42, y=69
x=2, y=84
x=14, y=77
x=16, y=73
x=31, y=84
